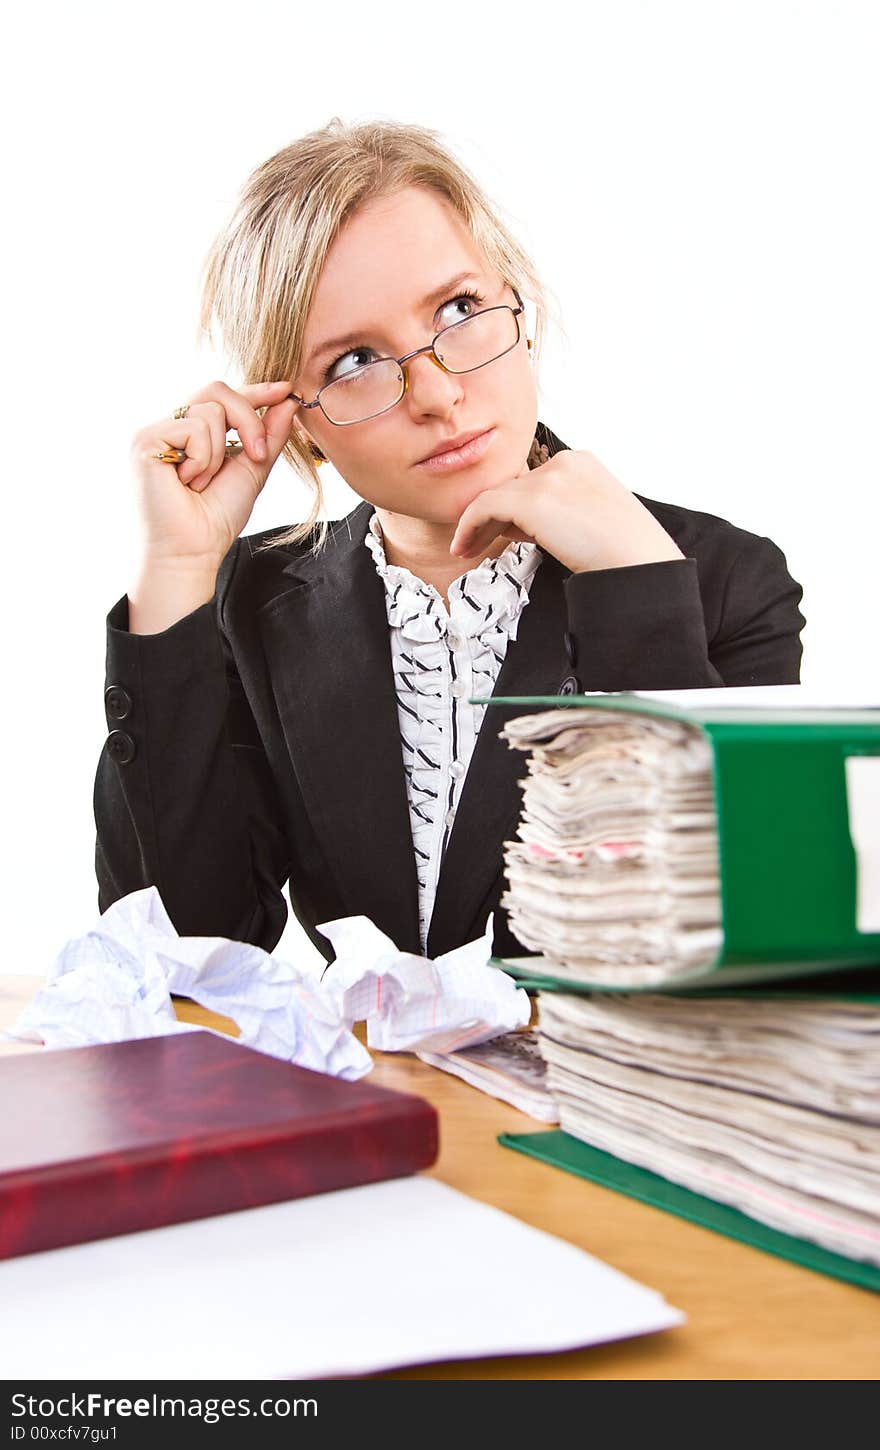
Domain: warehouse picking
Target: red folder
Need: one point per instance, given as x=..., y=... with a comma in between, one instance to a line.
x=104, y=1140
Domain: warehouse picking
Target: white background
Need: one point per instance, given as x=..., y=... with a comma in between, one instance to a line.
x=696, y=182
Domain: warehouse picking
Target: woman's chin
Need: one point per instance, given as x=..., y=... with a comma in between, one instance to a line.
x=463, y=491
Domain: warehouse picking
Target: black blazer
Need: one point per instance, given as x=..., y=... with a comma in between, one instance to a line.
x=256, y=742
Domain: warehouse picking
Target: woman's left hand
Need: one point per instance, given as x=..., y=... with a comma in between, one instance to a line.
x=573, y=508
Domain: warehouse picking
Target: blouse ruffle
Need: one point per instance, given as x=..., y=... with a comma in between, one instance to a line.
x=440, y=658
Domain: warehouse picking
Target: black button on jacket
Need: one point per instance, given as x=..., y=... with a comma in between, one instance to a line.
x=264, y=729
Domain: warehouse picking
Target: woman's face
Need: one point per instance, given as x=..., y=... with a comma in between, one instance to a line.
x=387, y=259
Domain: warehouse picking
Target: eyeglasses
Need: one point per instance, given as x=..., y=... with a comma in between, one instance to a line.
x=463, y=347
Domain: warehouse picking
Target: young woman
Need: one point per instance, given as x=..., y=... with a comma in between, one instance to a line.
x=295, y=707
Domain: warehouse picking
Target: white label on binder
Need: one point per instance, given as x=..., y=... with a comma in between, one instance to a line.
x=863, y=801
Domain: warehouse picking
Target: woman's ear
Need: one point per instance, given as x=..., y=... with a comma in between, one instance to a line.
x=310, y=443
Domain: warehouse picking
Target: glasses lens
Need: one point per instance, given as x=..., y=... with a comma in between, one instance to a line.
x=461, y=348
x=477, y=340
x=363, y=392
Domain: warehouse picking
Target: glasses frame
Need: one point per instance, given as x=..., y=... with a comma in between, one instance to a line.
x=417, y=352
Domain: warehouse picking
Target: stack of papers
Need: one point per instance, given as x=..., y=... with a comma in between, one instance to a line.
x=510, y=1067
x=614, y=877
x=768, y=1102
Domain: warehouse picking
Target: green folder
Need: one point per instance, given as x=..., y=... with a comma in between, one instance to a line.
x=564, y=1151
x=787, y=862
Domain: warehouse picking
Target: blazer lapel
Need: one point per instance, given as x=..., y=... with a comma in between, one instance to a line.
x=329, y=659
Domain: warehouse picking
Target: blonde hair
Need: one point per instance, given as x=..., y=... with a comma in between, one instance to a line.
x=261, y=273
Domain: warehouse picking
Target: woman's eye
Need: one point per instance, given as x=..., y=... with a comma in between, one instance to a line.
x=467, y=304
x=360, y=357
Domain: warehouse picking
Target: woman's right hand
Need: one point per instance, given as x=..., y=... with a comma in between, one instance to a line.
x=192, y=512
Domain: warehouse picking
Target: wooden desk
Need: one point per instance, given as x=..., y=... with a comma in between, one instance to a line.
x=750, y=1315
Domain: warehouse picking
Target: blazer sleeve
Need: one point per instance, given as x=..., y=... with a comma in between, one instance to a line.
x=687, y=624
x=184, y=796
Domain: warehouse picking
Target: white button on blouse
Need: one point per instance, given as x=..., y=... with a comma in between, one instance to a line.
x=440, y=659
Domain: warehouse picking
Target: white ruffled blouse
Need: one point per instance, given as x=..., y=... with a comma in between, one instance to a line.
x=440, y=658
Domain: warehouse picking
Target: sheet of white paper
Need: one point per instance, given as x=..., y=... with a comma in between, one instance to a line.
x=410, y=1003
x=866, y=696
x=364, y=1279
x=863, y=803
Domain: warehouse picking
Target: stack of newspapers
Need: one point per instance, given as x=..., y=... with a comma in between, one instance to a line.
x=615, y=875
x=697, y=886
x=510, y=1067
x=769, y=1104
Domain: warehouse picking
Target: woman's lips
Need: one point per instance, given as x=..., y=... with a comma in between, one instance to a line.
x=459, y=457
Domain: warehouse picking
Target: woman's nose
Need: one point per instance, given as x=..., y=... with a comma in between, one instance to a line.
x=425, y=386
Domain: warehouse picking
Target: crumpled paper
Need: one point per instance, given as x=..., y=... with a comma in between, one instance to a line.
x=410, y=1003
x=115, y=984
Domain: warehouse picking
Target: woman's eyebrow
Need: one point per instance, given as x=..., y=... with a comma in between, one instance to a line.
x=352, y=338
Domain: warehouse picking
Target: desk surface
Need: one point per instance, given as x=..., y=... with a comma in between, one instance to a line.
x=750, y=1315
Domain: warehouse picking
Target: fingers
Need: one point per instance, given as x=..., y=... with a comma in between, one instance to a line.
x=505, y=508
x=211, y=413
x=240, y=411
x=473, y=540
x=192, y=434
x=201, y=436
x=485, y=517
x=194, y=470
x=278, y=421
x=479, y=543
